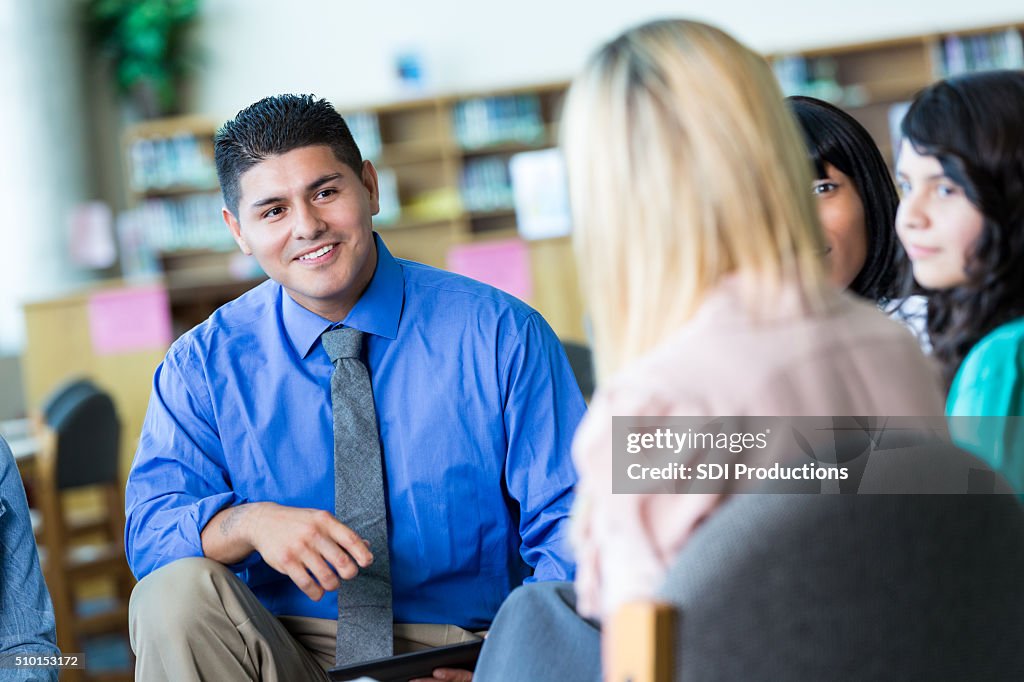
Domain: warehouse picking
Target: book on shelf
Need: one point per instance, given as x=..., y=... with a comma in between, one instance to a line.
x=540, y=189
x=810, y=77
x=485, y=121
x=365, y=129
x=166, y=162
x=168, y=224
x=190, y=222
x=485, y=184
x=138, y=260
x=955, y=54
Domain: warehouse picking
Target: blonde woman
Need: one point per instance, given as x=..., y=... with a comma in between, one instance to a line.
x=701, y=259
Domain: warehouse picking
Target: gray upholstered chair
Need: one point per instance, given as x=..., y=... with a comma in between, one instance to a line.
x=829, y=587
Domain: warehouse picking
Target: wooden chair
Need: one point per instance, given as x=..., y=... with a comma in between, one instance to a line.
x=79, y=436
x=644, y=647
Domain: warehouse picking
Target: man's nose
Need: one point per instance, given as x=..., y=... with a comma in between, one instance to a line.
x=308, y=223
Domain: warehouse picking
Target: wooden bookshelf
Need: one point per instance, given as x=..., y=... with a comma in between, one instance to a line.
x=870, y=78
x=419, y=146
x=175, y=200
x=419, y=142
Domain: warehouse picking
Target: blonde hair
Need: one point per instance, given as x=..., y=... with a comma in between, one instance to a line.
x=684, y=166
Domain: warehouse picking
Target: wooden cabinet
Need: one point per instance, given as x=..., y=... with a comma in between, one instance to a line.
x=60, y=344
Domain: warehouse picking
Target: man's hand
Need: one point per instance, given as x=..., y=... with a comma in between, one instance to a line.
x=447, y=674
x=310, y=546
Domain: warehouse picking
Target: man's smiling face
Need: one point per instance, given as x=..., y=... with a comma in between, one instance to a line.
x=306, y=217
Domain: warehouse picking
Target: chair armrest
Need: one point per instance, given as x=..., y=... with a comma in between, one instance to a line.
x=643, y=648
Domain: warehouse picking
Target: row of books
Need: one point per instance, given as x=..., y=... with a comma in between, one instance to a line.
x=1000, y=50
x=486, y=121
x=365, y=129
x=485, y=184
x=816, y=77
x=168, y=162
x=175, y=224
x=477, y=123
x=812, y=77
x=533, y=183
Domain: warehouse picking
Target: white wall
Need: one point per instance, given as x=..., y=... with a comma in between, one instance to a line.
x=344, y=50
x=43, y=171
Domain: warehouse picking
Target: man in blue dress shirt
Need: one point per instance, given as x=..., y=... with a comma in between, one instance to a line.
x=476, y=407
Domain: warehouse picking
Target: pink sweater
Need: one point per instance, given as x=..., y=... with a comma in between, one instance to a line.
x=850, y=360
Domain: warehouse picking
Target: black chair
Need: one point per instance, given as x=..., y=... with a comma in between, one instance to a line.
x=80, y=438
x=582, y=364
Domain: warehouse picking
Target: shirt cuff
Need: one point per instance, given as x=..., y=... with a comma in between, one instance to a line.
x=208, y=507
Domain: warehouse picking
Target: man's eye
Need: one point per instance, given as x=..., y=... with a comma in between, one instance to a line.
x=274, y=212
x=824, y=187
x=325, y=193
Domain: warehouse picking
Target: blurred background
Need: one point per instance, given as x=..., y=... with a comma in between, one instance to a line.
x=112, y=239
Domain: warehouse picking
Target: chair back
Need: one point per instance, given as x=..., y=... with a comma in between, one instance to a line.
x=79, y=437
x=852, y=587
x=582, y=364
x=84, y=422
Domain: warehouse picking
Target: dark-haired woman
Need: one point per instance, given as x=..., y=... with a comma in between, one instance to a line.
x=857, y=203
x=961, y=221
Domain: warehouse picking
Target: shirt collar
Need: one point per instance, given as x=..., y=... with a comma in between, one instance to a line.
x=378, y=311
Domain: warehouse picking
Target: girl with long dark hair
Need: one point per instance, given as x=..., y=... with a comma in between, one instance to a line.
x=961, y=221
x=857, y=202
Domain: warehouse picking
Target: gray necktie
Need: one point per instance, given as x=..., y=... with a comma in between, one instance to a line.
x=365, y=628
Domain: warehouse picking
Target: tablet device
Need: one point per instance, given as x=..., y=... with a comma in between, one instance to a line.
x=404, y=667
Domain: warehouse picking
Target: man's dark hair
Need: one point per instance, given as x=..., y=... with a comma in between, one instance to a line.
x=277, y=125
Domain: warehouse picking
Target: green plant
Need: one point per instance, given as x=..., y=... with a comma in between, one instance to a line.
x=144, y=40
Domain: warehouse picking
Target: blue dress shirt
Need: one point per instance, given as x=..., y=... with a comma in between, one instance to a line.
x=476, y=406
x=26, y=614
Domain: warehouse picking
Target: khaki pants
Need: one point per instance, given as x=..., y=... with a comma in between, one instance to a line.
x=195, y=621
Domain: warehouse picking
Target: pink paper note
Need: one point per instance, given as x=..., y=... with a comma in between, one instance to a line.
x=125, y=320
x=504, y=264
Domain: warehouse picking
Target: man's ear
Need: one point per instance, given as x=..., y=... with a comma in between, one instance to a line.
x=236, y=230
x=370, y=183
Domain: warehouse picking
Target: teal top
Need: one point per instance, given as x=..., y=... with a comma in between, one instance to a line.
x=990, y=384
